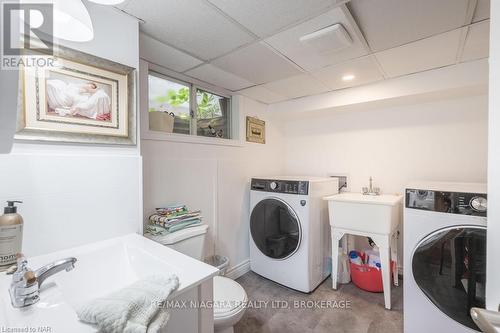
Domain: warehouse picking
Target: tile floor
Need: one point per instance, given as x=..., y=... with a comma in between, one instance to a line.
x=366, y=314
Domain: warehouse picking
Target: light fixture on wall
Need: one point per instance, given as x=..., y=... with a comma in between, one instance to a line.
x=108, y=2
x=71, y=20
x=348, y=77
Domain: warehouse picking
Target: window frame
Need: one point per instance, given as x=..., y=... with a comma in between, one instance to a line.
x=194, y=117
x=233, y=118
x=174, y=80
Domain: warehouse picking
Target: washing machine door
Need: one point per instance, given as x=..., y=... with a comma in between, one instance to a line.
x=449, y=266
x=275, y=228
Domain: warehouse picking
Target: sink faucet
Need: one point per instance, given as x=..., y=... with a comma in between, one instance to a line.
x=371, y=190
x=25, y=286
x=57, y=266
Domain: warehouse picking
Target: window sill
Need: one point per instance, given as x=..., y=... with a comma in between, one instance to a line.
x=185, y=138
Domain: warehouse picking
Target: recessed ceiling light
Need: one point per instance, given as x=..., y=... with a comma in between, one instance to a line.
x=348, y=77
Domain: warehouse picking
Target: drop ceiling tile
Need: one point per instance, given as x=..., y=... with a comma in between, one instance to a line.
x=219, y=77
x=390, y=23
x=123, y=5
x=164, y=55
x=432, y=52
x=364, y=70
x=261, y=94
x=477, y=44
x=482, y=11
x=257, y=63
x=264, y=17
x=297, y=86
x=193, y=26
x=288, y=42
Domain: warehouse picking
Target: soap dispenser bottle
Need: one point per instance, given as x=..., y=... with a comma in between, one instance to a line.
x=11, y=234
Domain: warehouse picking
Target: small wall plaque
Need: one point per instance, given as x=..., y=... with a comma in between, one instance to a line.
x=256, y=130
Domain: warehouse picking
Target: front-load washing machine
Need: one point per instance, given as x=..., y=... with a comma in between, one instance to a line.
x=444, y=256
x=289, y=230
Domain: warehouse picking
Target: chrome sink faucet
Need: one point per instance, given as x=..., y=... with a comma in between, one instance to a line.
x=371, y=190
x=25, y=286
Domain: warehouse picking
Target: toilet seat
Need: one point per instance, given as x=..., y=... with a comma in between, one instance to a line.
x=230, y=301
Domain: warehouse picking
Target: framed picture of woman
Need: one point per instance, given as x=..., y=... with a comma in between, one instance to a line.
x=79, y=98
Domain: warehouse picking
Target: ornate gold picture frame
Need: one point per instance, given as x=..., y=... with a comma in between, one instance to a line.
x=82, y=98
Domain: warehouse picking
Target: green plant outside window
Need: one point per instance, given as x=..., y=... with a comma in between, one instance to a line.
x=211, y=117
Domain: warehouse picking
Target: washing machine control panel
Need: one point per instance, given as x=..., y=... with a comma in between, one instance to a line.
x=280, y=186
x=447, y=202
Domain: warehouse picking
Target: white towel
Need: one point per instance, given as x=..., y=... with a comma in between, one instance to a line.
x=134, y=309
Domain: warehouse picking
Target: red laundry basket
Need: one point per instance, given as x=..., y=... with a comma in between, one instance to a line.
x=368, y=278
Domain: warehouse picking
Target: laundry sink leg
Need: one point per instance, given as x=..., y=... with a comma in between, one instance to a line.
x=394, y=258
x=386, y=274
x=384, y=244
x=336, y=237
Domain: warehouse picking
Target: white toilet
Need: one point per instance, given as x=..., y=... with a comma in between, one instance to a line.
x=229, y=297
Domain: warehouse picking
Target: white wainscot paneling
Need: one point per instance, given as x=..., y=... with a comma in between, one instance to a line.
x=192, y=182
x=233, y=211
x=70, y=200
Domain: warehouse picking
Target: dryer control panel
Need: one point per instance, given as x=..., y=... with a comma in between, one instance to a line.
x=447, y=202
x=280, y=186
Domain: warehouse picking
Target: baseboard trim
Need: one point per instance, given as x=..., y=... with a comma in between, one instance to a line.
x=238, y=270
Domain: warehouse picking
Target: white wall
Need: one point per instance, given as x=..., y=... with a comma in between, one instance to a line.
x=8, y=101
x=439, y=140
x=116, y=36
x=213, y=178
x=493, y=268
x=75, y=194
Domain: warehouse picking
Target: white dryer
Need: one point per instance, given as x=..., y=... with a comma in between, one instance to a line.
x=444, y=256
x=289, y=230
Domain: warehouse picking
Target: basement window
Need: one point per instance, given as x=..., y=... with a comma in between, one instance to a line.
x=183, y=108
x=212, y=114
x=169, y=106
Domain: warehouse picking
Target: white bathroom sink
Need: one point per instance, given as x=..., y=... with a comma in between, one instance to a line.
x=101, y=268
x=365, y=213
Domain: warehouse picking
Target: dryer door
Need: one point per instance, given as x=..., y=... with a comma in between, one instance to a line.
x=449, y=266
x=275, y=228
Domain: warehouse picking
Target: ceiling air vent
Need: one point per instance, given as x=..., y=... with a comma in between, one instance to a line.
x=330, y=39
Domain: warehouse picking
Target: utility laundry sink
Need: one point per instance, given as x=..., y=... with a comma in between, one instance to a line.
x=366, y=213
x=376, y=217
